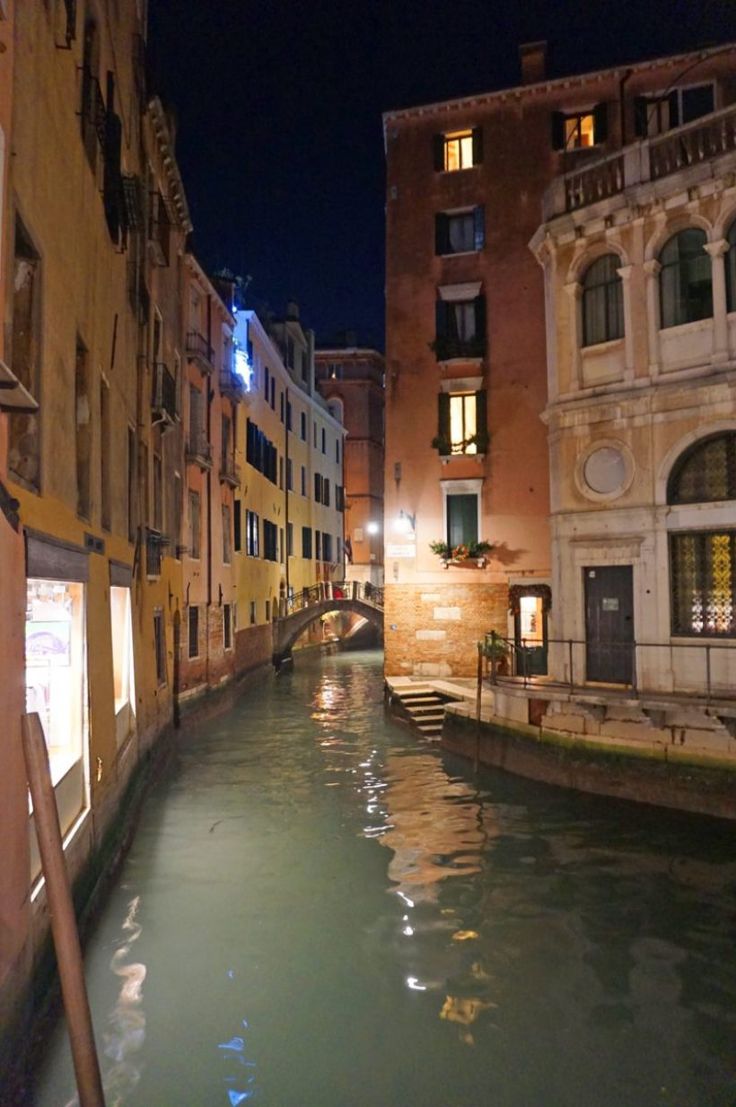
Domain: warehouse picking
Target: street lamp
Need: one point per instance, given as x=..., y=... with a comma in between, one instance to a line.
x=405, y=523
x=372, y=527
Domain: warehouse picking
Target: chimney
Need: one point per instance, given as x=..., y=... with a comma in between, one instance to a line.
x=533, y=57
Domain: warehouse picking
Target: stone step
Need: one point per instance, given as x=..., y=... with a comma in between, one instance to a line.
x=421, y=708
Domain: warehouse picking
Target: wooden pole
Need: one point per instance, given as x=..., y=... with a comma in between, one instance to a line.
x=61, y=914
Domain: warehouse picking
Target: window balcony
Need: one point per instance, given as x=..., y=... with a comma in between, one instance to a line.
x=155, y=543
x=199, y=351
x=642, y=162
x=449, y=349
x=198, y=450
x=164, y=400
x=229, y=472
x=231, y=384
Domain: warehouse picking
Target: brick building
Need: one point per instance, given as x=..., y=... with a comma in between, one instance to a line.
x=467, y=352
x=351, y=379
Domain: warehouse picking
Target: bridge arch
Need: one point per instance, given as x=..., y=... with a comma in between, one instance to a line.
x=287, y=629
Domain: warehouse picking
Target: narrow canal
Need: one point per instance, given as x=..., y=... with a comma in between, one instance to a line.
x=320, y=911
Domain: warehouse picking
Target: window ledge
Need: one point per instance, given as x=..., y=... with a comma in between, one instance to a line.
x=458, y=254
x=454, y=172
x=689, y=328
x=603, y=347
x=471, y=360
x=446, y=458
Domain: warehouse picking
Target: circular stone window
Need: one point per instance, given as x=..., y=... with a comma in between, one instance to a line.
x=604, y=471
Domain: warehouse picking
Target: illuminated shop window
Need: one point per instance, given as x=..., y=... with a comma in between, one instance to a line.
x=121, y=622
x=56, y=668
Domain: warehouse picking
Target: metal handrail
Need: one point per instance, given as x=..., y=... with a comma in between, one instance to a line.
x=497, y=646
x=342, y=590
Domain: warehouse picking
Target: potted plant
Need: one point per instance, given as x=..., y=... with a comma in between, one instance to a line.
x=459, y=555
x=496, y=650
x=445, y=448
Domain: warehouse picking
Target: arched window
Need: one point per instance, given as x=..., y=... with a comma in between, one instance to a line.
x=730, y=260
x=685, y=280
x=603, y=310
x=703, y=562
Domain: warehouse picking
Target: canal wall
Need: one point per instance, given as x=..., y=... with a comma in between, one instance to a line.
x=94, y=851
x=663, y=777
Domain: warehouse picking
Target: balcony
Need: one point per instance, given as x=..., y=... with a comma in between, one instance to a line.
x=155, y=543
x=199, y=351
x=231, y=384
x=163, y=400
x=229, y=472
x=448, y=349
x=643, y=162
x=198, y=450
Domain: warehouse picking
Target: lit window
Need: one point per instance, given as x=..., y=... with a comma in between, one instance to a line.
x=463, y=424
x=579, y=131
x=703, y=567
x=531, y=620
x=458, y=150
x=121, y=620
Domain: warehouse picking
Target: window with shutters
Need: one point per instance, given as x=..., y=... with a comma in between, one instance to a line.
x=459, y=232
x=686, y=293
x=581, y=129
x=462, y=519
x=653, y=115
x=462, y=426
x=318, y=545
x=237, y=526
x=457, y=150
x=226, y=534
x=193, y=650
x=194, y=523
x=251, y=534
x=227, y=626
x=307, y=542
x=460, y=329
x=603, y=308
x=730, y=260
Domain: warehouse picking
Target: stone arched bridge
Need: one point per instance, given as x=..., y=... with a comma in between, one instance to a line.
x=301, y=609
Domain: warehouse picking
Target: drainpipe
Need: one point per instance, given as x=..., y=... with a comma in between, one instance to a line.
x=286, y=488
x=208, y=396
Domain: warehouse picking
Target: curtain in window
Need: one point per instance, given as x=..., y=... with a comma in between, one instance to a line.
x=685, y=281
x=603, y=309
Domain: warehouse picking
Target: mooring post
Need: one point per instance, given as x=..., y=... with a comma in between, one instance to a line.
x=61, y=914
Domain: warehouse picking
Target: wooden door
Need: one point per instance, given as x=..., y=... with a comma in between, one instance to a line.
x=609, y=623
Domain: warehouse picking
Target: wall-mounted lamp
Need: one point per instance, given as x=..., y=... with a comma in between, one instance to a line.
x=372, y=527
x=405, y=523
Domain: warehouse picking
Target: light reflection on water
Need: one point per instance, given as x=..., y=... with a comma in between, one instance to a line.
x=321, y=911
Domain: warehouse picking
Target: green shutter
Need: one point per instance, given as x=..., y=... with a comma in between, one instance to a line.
x=480, y=317
x=600, y=123
x=641, y=114
x=477, y=145
x=481, y=420
x=443, y=420
x=441, y=319
x=438, y=152
x=558, y=130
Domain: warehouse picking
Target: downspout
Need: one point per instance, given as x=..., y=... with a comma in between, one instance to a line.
x=209, y=394
x=286, y=488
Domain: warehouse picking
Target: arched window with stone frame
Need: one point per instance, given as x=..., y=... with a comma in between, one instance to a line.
x=685, y=281
x=703, y=561
x=602, y=301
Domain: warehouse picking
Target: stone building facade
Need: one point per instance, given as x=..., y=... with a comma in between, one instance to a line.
x=466, y=358
x=351, y=380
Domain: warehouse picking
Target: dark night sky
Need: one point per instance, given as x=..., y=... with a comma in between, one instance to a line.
x=279, y=108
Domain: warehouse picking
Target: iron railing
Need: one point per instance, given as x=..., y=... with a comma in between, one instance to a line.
x=199, y=350
x=231, y=384
x=332, y=590
x=198, y=449
x=229, y=471
x=695, y=669
x=163, y=400
x=155, y=543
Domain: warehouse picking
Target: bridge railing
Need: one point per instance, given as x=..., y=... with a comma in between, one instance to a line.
x=331, y=590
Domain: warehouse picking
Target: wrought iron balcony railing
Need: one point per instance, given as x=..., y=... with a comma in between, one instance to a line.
x=231, y=384
x=200, y=351
x=229, y=472
x=198, y=450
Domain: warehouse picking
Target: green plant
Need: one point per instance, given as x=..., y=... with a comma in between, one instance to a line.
x=494, y=648
x=446, y=448
x=442, y=549
x=465, y=552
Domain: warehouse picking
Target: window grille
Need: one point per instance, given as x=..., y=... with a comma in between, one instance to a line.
x=703, y=576
x=706, y=472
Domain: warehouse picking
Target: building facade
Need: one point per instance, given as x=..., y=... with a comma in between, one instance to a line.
x=351, y=380
x=467, y=473
x=639, y=256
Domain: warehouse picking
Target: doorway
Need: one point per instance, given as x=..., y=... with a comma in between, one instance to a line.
x=530, y=606
x=609, y=624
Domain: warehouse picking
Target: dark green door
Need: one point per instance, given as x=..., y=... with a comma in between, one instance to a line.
x=609, y=623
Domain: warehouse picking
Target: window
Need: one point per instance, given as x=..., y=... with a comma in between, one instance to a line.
x=457, y=150
x=105, y=447
x=703, y=572
x=462, y=423
x=193, y=642
x=237, y=526
x=266, y=383
x=159, y=647
x=317, y=488
x=318, y=545
x=706, y=472
x=337, y=450
x=462, y=508
x=121, y=626
x=580, y=130
x=281, y=545
x=194, y=523
x=327, y=547
x=685, y=279
x=326, y=492
x=459, y=232
x=339, y=497
x=289, y=539
x=603, y=309
x=25, y=346
x=270, y=541
x=282, y=409
x=83, y=430
x=272, y=399
x=460, y=328
x=653, y=115
x=131, y=485
x=324, y=441
x=303, y=426
x=227, y=626
x=260, y=452
x=730, y=261
x=304, y=481
x=267, y=607
x=252, y=613
x=288, y=415
x=252, y=528
x=306, y=542
x=289, y=475
x=314, y=435
x=226, y=539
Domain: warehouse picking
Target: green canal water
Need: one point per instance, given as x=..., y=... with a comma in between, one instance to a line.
x=319, y=910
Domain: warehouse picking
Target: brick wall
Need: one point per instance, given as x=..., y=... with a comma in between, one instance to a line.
x=438, y=626
x=253, y=647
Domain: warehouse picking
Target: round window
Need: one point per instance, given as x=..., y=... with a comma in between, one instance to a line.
x=605, y=470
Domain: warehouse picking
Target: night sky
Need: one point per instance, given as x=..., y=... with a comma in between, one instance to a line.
x=279, y=108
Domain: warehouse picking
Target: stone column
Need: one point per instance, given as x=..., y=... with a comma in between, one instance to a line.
x=720, y=311
x=652, y=270
x=625, y=274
